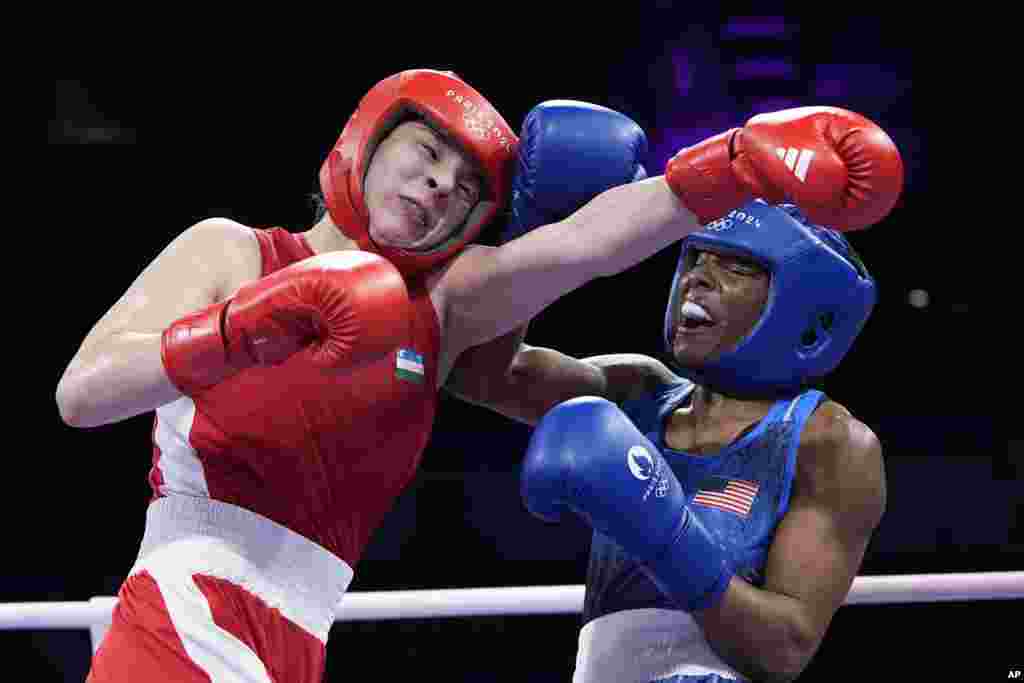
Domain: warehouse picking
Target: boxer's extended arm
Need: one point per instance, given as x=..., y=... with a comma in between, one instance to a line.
x=118, y=372
x=524, y=382
x=488, y=291
x=853, y=179
x=838, y=499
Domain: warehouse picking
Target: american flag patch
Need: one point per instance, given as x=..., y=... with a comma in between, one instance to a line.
x=732, y=495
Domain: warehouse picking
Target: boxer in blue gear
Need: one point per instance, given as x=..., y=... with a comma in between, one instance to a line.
x=731, y=501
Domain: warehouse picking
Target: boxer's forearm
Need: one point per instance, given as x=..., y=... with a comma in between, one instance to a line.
x=119, y=378
x=625, y=225
x=493, y=291
x=759, y=633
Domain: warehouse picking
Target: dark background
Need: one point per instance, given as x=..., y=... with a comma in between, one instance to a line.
x=176, y=120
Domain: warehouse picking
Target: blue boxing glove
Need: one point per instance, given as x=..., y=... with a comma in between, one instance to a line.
x=570, y=152
x=586, y=455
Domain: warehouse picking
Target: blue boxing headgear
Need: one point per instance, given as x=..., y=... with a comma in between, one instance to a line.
x=820, y=295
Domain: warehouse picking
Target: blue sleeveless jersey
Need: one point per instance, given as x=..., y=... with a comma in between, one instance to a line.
x=740, y=494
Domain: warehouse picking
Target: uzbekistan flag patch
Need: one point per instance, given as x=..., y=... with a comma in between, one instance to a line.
x=409, y=366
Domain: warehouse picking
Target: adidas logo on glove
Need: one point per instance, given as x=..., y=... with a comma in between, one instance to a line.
x=797, y=160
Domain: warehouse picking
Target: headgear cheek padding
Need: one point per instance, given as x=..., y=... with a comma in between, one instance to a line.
x=455, y=108
x=820, y=296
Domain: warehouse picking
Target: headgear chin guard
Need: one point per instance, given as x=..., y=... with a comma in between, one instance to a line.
x=820, y=295
x=454, y=107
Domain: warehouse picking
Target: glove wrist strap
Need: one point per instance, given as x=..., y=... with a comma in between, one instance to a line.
x=695, y=569
x=703, y=178
x=194, y=352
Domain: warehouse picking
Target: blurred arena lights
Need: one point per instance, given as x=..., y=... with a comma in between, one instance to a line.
x=757, y=27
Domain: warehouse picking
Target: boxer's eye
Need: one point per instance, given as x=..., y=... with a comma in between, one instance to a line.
x=745, y=267
x=469, y=192
x=430, y=150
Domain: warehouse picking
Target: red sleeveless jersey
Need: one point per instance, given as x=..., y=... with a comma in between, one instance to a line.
x=324, y=453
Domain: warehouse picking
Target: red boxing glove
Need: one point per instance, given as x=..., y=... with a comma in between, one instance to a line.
x=348, y=307
x=840, y=168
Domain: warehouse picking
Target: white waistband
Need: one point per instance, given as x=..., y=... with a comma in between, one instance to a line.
x=186, y=535
x=642, y=645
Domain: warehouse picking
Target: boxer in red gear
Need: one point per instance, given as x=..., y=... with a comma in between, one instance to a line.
x=295, y=385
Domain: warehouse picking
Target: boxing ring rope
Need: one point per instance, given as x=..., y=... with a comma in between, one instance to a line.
x=95, y=614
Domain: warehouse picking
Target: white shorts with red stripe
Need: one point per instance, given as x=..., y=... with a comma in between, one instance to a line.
x=221, y=594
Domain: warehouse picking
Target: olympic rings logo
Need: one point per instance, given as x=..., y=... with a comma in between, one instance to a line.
x=733, y=217
x=478, y=123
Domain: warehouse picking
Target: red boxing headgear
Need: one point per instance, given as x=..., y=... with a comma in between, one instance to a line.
x=445, y=101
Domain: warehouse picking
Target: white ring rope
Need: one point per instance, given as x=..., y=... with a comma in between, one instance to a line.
x=463, y=602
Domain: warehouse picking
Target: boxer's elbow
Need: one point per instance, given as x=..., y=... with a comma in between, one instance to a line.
x=777, y=651
x=787, y=662
x=792, y=664
x=785, y=666
x=71, y=401
x=80, y=401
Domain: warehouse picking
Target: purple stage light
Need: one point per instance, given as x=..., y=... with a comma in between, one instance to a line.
x=757, y=27
x=682, y=69
x=750, y=69
x=845, y=80
x=664, y=142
